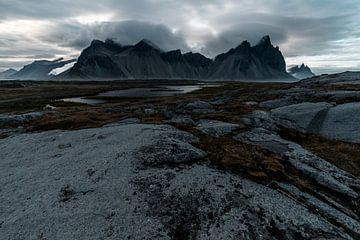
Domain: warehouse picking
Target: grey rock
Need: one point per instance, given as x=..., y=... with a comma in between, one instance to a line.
x=196, y=107
x=326, y=209
x=342, y=122
x=296, y=91
x=124, y=122
x=6, y=119
x=339, y=122
x=203, y=203
x=150, y=111
x=260, y=119
x=219, y=100
x=306, y=162
x=11, y=131
x=305, y=116
x=339, y=95
x=170, y=148
x=277, y=103
x=182, y=119
x=251, y=103
x=94, y=189
x=337, y=78
x=216, y=128
x=84, y=189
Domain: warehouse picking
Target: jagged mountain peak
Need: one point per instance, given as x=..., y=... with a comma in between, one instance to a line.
x=301, y=71
x=146, y=44
x=243, y=47
x=265, y=41
x=96, y=43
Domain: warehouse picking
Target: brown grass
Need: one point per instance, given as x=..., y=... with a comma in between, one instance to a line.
x=69, y=121
x=247, y=160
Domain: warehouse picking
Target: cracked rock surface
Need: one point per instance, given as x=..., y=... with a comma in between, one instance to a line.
x=146, y=181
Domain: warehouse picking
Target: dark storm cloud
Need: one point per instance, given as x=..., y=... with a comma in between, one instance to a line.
x=251, y=32
x=296, y=35
x=302, y=28
x=78, y=35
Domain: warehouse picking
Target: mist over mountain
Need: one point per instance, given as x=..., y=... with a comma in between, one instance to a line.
x=145, y=60
x=301, y=72
x=7, y=74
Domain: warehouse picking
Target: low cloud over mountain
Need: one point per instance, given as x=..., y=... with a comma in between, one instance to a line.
x=322, y=33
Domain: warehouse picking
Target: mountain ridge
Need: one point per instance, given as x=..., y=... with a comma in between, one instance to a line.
x=144, y=60
x=7, y=73
x=40, y=69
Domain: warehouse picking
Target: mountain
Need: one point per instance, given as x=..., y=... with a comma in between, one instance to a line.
x=40, y=70
x=263, y=61
x=110, y=60
x=141, y=61
x=7, y=74
x=301, y=72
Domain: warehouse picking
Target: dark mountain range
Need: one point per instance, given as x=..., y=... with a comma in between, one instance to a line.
x=141, y=61
x=110, y=60
x=7, y=74
x=301, y=72
x=40, y=70
x=263, y=61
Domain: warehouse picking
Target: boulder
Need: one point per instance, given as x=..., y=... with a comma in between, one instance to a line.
x=6, y=119
x=305, y=116
x=342, y=122
x=182, y=119
x=339, y=122
x=216, y=128
x=196, y=107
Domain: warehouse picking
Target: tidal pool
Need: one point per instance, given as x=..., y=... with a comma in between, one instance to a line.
x=158, y=91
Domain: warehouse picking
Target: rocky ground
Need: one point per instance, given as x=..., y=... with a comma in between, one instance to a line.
x=241, y=161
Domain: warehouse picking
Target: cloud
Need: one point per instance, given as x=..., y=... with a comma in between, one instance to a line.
x=305, y=30
x=78, y=36
x=251, y=32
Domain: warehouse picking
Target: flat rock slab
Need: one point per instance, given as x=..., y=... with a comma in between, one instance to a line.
x=342, y=122
x=216, y=128
x=138, y=181
x=301, y=116
x=69, y=185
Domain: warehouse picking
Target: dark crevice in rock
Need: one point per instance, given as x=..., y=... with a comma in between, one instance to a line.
x=316, y=123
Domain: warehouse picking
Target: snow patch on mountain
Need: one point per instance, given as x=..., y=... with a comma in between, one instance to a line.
x=62, y=69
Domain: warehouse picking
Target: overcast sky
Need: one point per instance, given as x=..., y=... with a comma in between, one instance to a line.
x=325, y=34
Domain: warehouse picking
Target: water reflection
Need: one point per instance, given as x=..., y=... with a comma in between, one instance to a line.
x=158, y=91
